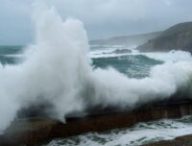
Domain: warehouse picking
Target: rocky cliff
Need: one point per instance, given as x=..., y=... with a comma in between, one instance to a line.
x=177, y=37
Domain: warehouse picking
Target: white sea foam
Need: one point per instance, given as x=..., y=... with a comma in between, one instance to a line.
x=171, y=56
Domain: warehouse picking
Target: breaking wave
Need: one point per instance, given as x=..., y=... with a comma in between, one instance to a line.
x=57, y=70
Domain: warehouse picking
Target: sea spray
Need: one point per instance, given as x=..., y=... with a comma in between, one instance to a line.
x=57, y=71
x=54, y=71
x=59, y=64
x=114, y=88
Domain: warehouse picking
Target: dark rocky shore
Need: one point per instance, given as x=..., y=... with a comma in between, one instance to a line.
x=35, y=131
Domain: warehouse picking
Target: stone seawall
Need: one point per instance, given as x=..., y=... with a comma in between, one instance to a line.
x=34, y=131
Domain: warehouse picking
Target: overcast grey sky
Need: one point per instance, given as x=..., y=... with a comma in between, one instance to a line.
x=102, y=18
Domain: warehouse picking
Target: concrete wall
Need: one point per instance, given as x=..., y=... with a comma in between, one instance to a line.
x=38, y=130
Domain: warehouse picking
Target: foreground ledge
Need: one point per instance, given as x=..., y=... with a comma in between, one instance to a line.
x=35, y=131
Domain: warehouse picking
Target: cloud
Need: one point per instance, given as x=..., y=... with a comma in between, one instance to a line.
x=116, y=17
x=102, y=18
x=15, y=26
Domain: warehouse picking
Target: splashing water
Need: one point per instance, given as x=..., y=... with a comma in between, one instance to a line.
x=57, y=70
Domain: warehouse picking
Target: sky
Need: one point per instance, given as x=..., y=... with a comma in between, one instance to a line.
x=102, y=18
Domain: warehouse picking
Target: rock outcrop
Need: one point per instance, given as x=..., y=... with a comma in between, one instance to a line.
x=177, y=37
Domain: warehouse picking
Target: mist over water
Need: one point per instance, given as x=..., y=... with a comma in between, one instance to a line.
x=58, y=71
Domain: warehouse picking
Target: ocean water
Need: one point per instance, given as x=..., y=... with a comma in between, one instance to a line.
x=134, y=65
x=8, y=54
x=141, y=133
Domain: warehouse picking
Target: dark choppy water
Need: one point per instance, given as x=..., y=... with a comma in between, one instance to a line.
x=135, y=66
x=8, y=54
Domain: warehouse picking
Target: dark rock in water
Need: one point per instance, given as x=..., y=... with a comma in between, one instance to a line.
x=177, y=37
x=33, y=131
x=122, y=51
x=118, y=51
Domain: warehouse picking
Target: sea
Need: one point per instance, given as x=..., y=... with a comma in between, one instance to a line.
x=133, y=64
